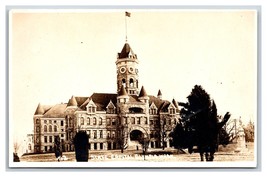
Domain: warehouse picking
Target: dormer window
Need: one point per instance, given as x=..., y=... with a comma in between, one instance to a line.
x=171, y=109
x=91, y=107
x=153, y=109
x=111, y=109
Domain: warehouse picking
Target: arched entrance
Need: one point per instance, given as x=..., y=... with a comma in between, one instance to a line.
x=136, y=135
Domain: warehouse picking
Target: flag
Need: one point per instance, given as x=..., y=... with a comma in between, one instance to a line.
x=128, y=14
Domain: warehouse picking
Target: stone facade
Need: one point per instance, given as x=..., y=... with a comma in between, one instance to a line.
x=112, y=121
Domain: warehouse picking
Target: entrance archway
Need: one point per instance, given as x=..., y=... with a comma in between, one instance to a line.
x=136, y=135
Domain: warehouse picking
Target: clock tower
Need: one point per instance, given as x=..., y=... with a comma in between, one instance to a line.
x=127, y=70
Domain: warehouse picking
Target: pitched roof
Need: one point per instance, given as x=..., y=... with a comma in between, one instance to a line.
x=122, y=92
x=42, y=109
x=39, y=110
x=101, y=100
x=162, y=105
x=159, y=93
x=126, y=51
x=57, y=111
x=72, y=102
x=174, y=103
x=142, y=92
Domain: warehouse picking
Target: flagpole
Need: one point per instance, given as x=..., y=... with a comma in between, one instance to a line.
x=125, y=27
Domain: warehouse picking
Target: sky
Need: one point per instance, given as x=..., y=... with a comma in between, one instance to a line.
x=56, y=54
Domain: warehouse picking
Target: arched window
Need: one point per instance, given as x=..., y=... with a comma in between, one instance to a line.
x=55, y=128
x=82, y=121
x=131, y=82
x=88, y=121
x=50, y=128
x=94, y=121
x=37, y=121
x=124, y=83
x=45, y=128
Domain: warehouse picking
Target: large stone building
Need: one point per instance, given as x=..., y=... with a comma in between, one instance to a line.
x=112, y=120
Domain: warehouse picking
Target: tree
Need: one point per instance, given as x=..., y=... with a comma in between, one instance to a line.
x=249, y=131
x=57, y=147
x=199, y=125
x=81, y=144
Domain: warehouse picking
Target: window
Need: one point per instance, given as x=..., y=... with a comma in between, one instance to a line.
x=108, y=134
x=82, y=121
x=138, y=120
x=124, y=83
x=131, y=82
x=45, y=139
x=113, y=121
x=37, y=121
x=62, y=123
x=113, y=134
x=55, y=121
x=100, y=133
x=91, y=109
x=88, y=121
x=146, y=120
x=151, y=122
x=50, y=128
x=62, y=135
x=95, y=134
x=50, y=139
x=45, y=121
x=101, y=146
x=50, y=121
x=29, y=147
x=94, y=121
x=100, y=121
x=172, y=111
x=55, y=128
x=95, y=146
x=45, y=128
x=174, y=121
x=108, y=121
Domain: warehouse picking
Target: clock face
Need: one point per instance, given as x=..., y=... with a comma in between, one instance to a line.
x=130, y=69
x=122, y=69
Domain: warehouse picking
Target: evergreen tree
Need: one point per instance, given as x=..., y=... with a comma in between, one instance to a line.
x=199, y=125
x=81, y=144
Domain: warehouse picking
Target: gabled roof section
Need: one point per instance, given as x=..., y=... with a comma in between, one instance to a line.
x=153, y=106
x=72, y=102
x=142, y=92
x=110, y=105
x=171, y=105
x=162, y=105
x=126, y=52
x=91, y=104
x=101, y=100
x=57, y=111
x=174, y=103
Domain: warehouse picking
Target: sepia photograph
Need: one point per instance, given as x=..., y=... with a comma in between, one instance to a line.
x=133, y=88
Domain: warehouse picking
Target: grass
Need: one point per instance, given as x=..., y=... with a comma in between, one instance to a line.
x=224, y=154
